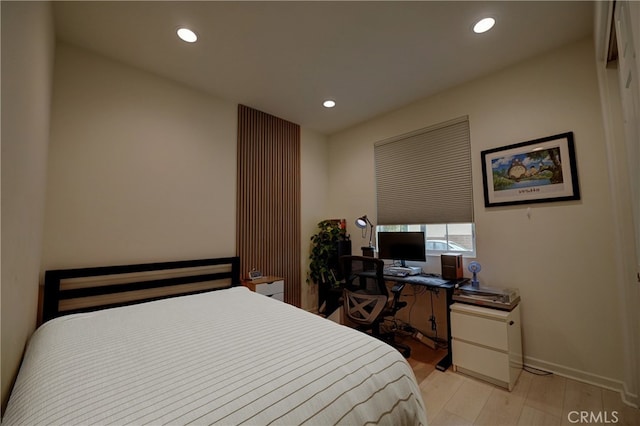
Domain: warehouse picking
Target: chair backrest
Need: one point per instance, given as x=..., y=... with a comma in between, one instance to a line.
x=363, y=308
x=363, y=273
x=365, y=293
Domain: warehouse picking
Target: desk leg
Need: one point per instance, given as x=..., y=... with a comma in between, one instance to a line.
x=446, y=361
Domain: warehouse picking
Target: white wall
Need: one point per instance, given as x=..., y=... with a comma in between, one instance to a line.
x=27, y=70
x=144, y=169
x=561, y=258
x=140, y=168
x=314, y=188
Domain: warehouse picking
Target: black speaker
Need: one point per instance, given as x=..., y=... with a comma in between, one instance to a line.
x=344, y=248
x=451, y=266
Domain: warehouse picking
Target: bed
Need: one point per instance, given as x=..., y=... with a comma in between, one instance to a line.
x=224, y=357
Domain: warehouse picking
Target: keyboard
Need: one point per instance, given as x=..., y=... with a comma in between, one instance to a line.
x=401, y=271
x=427, y=280
x=395, y=272
x=424, y=279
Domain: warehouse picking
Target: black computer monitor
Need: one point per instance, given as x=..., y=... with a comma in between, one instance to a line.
x=402, y=246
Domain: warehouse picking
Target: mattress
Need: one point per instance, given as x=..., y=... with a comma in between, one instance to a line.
x=227, y=357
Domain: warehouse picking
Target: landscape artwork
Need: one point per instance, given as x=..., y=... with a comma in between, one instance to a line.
x=540, y=170
x=537, y=168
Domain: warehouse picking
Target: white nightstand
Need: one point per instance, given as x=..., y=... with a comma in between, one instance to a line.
x=268, y=286
x=487, y=343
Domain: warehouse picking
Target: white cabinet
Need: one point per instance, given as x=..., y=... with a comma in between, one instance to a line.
x=268, y=286
x=487, y=343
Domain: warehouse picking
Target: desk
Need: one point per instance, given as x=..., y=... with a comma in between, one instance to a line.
x=432, y=281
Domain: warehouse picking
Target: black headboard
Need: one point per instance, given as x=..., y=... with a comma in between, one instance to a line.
x=69, y=291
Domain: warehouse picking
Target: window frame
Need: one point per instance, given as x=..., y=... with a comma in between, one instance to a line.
x=471, y=253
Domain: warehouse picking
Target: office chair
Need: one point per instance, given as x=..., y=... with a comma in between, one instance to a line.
x=366, y=300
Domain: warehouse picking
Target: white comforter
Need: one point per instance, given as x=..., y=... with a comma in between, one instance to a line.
x=226, y=357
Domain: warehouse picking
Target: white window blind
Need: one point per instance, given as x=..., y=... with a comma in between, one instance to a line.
x=425, y=176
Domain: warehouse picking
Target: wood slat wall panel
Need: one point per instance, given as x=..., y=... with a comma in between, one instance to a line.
x=268, y=205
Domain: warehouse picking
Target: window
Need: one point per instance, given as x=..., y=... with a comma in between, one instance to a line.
x=442, y=238
x=424, y=177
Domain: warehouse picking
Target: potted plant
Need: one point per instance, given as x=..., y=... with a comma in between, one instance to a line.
x=327, y=245
x=324, y=252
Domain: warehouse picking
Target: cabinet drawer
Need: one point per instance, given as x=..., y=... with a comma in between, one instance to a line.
x=485, y=331
x=270, y=289
x=489, y=362
x=277, y=296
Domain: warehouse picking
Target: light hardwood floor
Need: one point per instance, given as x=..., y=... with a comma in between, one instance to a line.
x=454, y=399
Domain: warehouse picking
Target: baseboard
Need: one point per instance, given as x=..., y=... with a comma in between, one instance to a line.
x=582, y=376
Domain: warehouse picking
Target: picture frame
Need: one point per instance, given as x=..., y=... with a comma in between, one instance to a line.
x=536, y=171
x=254, y=274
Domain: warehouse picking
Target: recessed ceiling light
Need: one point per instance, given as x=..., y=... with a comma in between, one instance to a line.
x=329, y=103
x=187, y=35
x=484, y=25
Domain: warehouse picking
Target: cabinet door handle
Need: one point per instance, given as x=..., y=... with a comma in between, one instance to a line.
x=511, y=322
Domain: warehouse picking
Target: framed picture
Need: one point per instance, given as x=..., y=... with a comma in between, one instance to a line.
x=537, y=171
x=254, y=275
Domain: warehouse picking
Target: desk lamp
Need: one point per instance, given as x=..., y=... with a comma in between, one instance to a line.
x=362, y=223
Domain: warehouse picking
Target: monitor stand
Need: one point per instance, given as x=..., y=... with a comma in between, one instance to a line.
x=411, y=270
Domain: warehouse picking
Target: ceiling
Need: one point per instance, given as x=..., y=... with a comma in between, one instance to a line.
x=285, y=58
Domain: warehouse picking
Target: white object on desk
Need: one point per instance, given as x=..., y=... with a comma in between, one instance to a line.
x=487, y=343
x=402, y=271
